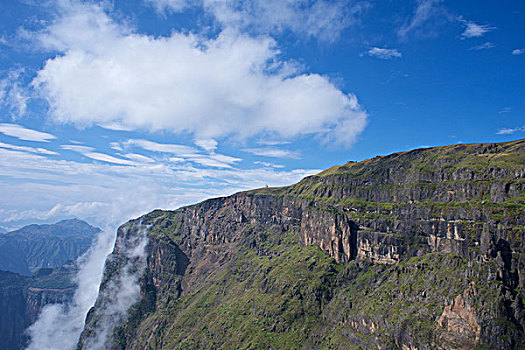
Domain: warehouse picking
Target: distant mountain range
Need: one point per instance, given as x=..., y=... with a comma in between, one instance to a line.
x=35, y=246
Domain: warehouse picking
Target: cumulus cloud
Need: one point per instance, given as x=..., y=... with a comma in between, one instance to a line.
x=474, y=30
x=383, y=53
x=229, y=85
x=25, y=134
x=517, y=52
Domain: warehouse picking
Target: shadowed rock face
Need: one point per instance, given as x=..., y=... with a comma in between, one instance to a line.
x=416, y=250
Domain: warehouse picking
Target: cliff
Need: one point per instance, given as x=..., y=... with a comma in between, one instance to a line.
x=415, y=250
x=22, y=298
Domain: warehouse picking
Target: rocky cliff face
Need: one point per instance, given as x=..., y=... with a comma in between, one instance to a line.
x=416, y=250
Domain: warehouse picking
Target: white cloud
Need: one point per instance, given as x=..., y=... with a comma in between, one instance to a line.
x=517, y=52
x=38, y=150
x=25, y=134
x=272, y=152
x=510, y=131
x=231, y=85
x=383, y=53
x=474, y=30
x=484, y=46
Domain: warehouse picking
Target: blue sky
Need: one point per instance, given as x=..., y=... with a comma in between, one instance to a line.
x=110, y=109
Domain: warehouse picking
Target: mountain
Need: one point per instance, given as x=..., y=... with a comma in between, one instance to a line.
x=23, y=297
x=415, y=250
x=35, y=246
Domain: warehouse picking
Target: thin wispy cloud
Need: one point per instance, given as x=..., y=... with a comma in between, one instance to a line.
x=24, y=133
x=138, y=158
x=38, y=150
x=89, y=152
x=267, y=164
x=510, y=131
x=428, y=16
x=485, y=46
x=383, y=53
x=77, y=148
x=13, y=93
x=320, y=19
x=272, y=142
x=184, y=153
x=112, y=193
x=108, y=158
x=180, y=150
x=273, y=152
x=474, y=30
x=518, y=52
